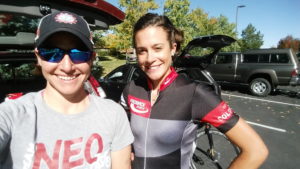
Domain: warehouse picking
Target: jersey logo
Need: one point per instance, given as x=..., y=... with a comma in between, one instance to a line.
x=220, y=115
x=138, y=106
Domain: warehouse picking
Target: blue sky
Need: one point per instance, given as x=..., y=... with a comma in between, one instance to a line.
x=275, y=19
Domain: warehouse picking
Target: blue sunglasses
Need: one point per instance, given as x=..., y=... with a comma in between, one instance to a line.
x=55, y=55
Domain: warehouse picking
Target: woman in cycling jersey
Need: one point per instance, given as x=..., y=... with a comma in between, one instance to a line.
x=62, y=126
x=164, y=104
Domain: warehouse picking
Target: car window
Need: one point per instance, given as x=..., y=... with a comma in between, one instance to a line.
x=279, y=58
x=11, y=24
x=263, y=58
x=222, y=59
x=250, y=58
x=136, y=74
x=200, y=51
x=14, y=71
x=118, y=75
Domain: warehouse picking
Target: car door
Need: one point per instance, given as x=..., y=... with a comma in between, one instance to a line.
x=114, y=82
x=223, y=67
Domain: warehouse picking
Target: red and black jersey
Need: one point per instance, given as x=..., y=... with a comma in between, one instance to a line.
x=164, y=132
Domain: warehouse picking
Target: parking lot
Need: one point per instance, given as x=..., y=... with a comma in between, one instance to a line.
x=276, y=118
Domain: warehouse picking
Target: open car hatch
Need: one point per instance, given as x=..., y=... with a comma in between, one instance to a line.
x=201, y=50
x=98, y=13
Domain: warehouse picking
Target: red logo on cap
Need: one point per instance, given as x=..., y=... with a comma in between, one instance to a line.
x=65, y=18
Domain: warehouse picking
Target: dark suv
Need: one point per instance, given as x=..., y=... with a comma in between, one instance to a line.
x=262, y=70
x=18, y=23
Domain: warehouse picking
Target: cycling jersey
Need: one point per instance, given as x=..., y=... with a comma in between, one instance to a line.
x=164, y=132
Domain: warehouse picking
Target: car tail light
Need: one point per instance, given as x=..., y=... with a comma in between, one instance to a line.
x=294, y=72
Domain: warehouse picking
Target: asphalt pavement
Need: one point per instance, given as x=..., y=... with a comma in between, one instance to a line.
x=276, y=118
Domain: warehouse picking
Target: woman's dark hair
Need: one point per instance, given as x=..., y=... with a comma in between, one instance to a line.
x=152, y=19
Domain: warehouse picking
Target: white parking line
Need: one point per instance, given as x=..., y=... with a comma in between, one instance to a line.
x=268, y=127
x=262, y=125
x=252, y=98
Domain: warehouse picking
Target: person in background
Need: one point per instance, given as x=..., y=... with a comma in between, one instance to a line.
x=63, y=126
x=164, y=105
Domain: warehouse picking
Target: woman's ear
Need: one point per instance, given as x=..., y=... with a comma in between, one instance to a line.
x=173, y=49
x=38, y=58
x=93, y=55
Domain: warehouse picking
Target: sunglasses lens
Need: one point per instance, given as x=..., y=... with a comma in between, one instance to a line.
x=51, y=55
x=55, y=55
x=78, y=56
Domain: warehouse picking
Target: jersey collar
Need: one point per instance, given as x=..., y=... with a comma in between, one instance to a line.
x=167, y=81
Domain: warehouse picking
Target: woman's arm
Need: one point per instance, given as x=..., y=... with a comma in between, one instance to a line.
x=253, y=150
x=121, y=159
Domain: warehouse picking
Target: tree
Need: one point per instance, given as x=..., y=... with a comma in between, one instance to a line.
x=251, y=39
x=177, y=11
x=289, y=42
x=201, y=25
x=134, y=9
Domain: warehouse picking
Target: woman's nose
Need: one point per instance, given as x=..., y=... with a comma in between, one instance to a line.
x=66, y=63
x=150, y=57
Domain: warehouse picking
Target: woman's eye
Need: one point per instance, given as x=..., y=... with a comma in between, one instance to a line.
x=158, y=48
x=141, y=51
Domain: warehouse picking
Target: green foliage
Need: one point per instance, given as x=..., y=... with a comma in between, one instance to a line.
x=134, y=9
x=194, y=23
x=99, y=38
x=177, y=11
x=289, y=42
x=12, y=71
x=18, y=24
x=251, y=39
x=200, y=52
x=5, y=72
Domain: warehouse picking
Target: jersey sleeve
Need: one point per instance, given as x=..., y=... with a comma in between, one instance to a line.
x=208, y=107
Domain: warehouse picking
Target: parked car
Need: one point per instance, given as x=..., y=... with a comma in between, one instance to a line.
x=115, y=81
x=18, y=23
x=261, y=70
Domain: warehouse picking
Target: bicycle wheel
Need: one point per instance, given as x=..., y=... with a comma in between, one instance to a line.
x=223, y=153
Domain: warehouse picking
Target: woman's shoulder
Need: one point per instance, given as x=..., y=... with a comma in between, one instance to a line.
x=23, y=100
x=104, y=102
x=18, y=108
